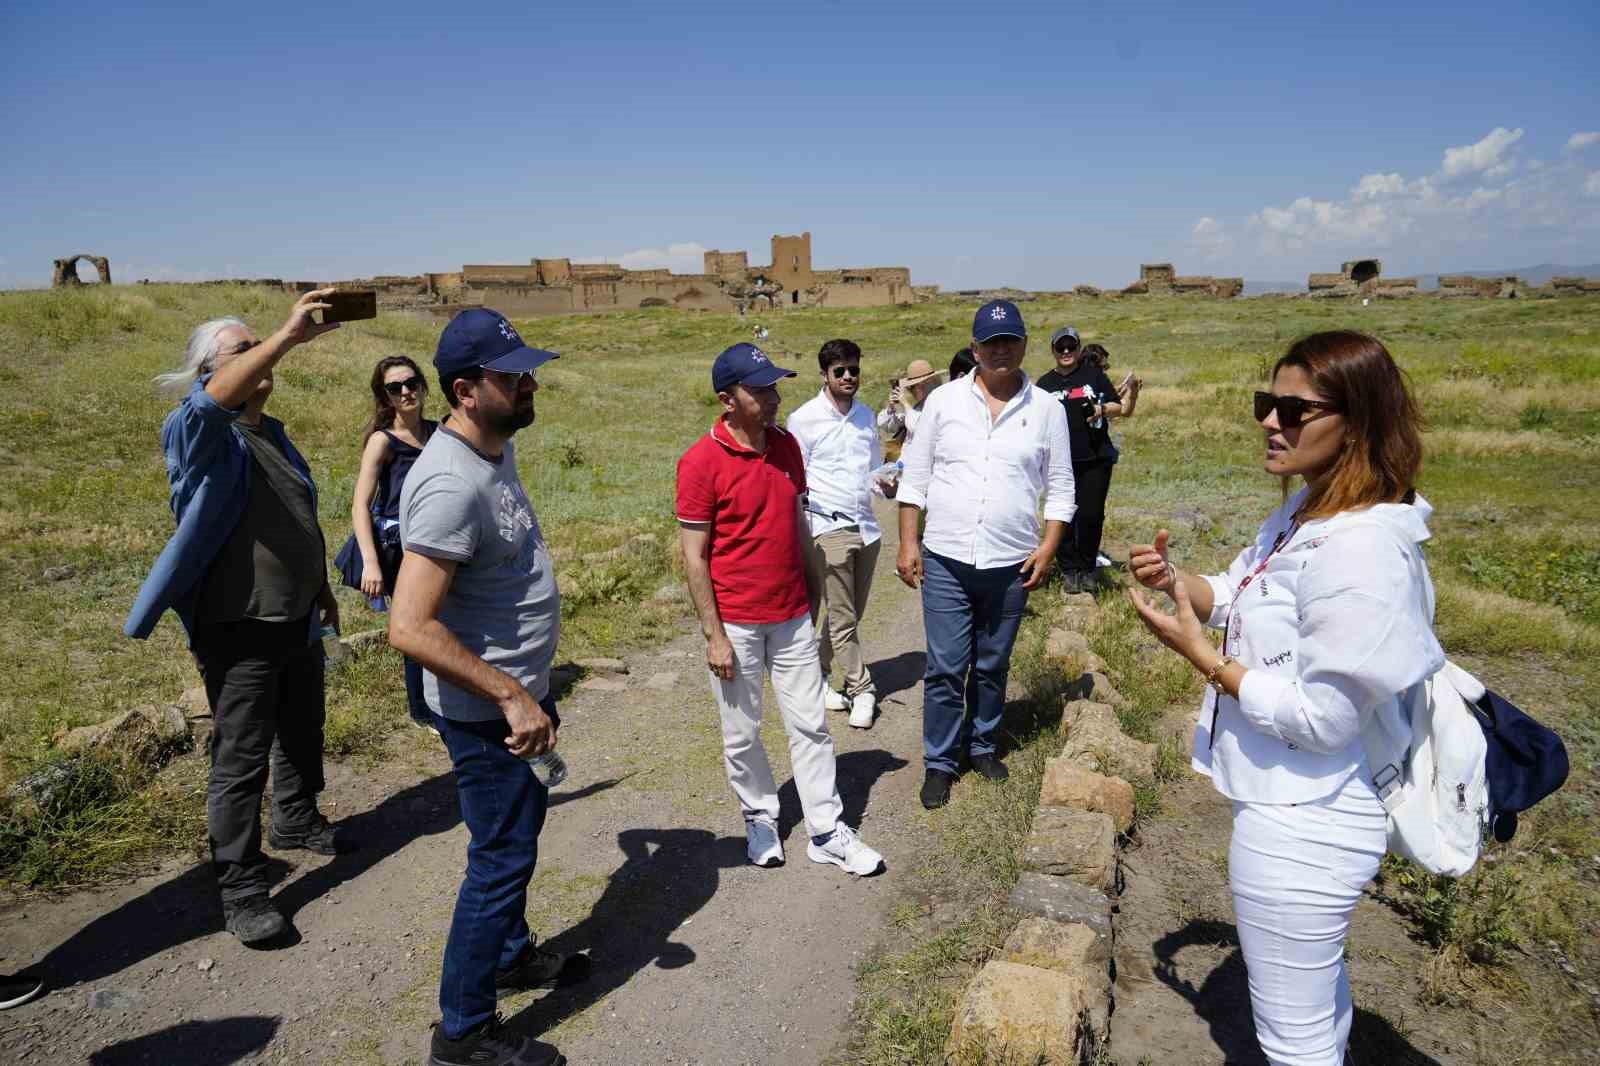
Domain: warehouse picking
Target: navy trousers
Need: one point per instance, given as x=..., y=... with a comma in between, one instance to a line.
x=971, y=617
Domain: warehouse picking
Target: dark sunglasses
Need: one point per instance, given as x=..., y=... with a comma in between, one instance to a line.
x=395, y=388
x=1291, y=409
x=1065, y=347
x=845, y=371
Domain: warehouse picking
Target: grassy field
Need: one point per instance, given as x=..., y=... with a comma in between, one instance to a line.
x=1511, y=390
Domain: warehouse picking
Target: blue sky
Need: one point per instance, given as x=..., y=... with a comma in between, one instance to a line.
x=1039, y=145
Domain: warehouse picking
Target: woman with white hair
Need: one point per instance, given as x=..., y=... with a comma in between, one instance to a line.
x=246, y=573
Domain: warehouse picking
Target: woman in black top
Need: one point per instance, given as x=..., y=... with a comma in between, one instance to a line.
x=394, y=440
x=1091, y=401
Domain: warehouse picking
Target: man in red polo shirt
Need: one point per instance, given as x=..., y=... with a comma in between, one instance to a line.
x=741, y=501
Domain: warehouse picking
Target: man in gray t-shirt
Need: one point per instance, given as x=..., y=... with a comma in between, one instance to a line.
x=476, y=604
x=467, y=507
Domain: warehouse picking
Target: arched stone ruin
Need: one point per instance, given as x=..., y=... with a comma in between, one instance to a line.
x=66, y=270
x=1364, y=270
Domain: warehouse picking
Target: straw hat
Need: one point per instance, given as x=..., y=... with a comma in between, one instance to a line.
x=919, y=371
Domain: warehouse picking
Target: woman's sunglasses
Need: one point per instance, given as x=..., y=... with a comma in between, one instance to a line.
x=395, y=388
x=1291, y=409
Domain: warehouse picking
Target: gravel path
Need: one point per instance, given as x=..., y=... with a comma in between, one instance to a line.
x=699, y=957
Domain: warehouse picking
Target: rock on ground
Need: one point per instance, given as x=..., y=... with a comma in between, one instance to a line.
x=1069, y=785
x=1095, y=740
x=1081, y=846
x=1030, y=1012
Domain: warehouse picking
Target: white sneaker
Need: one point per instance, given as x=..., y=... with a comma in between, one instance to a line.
x=761, y=843
x=845, y=849
x=862, y=711
x=834, y=699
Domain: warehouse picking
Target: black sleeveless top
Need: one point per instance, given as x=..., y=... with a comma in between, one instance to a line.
x=392, y=478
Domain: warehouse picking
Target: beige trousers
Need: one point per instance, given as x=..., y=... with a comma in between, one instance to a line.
x=845, y=566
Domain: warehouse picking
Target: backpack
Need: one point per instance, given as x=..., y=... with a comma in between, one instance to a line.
x=1474, y=761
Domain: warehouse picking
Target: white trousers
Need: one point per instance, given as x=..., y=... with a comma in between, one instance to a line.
x=788, y=651
x=1297, y=871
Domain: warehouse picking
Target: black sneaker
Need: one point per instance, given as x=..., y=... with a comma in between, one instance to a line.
x=319, y=837
x=18, y=988
x=537, y=968
x=990, y=767
x=1074, y=581
x=936, y=789
x=254, y=919
x=490, y=1044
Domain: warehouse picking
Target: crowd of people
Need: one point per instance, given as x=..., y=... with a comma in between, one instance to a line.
x=1000, y=478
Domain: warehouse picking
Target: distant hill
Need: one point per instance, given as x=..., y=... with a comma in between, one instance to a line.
x=1533, y=275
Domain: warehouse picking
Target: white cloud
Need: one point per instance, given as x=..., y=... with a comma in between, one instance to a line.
x=1482, y=201
x=686, y=257
x=1488, y=154
x=1579, y=141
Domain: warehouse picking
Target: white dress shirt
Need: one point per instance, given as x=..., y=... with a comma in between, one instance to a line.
x=841, y=451
x=1332, y=630
x=891, y=420
x=980, y=479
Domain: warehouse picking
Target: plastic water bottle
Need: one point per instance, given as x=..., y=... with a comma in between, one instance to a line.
x=550, y=768
x=332, y=648
x=889, y=471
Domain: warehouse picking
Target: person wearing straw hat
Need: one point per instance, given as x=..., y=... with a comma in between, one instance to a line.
x=898, y=419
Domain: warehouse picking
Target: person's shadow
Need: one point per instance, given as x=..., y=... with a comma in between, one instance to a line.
x=666, y=876
x=898, y=673
x=217, y=1042
x=1223, y=1002
x=855, y=775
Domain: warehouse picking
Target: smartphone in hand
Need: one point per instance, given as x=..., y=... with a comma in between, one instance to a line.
x=350, y=306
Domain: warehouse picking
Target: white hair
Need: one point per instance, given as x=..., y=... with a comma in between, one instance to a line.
x=198, y=357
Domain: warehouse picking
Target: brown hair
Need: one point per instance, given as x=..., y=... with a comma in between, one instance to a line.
x=1097, y=354
x=383, y=412
x=1383, y=428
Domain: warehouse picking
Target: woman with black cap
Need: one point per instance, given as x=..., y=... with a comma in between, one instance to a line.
x=1091, y=402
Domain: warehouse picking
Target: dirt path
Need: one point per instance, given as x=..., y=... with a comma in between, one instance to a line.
x=700, y=958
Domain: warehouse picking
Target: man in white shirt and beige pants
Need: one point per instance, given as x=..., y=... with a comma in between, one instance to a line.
x=987, y=448
x=840, y=445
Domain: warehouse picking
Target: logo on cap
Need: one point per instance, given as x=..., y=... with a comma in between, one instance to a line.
x=758, y=356
x=998, y=314
x=509, y=332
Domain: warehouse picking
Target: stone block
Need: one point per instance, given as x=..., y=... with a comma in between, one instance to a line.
x=1067, y=947
x=194, y=701
x=1028, y=1014
x=148, y=734
x=1072, y=649
x=1095, y=685
x=1061, y=900
x=604, y=666
x=1080, y=845
x=366, y=642
x=1069, y=785
x=1095, y=741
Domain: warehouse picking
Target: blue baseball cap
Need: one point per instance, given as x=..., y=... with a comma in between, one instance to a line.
x=998, y=318
x=745, y=364
x=481, y=337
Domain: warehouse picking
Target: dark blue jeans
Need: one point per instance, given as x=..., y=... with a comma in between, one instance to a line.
x=971, y=617
x=503, y=806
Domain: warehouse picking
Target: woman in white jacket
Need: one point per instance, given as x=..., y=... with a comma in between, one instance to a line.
x=1327, y=620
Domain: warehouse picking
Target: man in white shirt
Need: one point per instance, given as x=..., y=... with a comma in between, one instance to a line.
x=840, y=446
x=987, y=447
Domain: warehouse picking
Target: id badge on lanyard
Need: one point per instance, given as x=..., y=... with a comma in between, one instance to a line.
x=1233, y=635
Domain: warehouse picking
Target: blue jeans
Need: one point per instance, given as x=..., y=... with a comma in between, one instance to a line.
x=971, y=617
x=503, y=806
x=416, y=705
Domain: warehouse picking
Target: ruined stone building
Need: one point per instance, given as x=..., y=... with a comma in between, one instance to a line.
x=1160, y=279
x=728, y=283
x=1360, y=277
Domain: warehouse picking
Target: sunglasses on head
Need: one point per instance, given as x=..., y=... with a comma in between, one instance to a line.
x=395, y=388
x=845, y=371
x=1291, y=409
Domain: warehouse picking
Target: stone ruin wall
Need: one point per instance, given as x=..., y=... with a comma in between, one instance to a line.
x=1162, y=279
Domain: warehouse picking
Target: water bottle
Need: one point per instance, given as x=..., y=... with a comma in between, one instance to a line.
x=550, y=768
x=332, y=648
x=889, y=471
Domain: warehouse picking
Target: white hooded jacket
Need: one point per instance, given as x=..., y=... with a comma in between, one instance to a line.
x=1332, y=630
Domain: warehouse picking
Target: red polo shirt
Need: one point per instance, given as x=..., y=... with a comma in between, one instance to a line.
x=757, y=566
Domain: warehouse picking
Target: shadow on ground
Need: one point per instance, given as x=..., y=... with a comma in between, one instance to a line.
x=898, y=673
x=1222, y=1001
x=666, y=877
x=217, y=1043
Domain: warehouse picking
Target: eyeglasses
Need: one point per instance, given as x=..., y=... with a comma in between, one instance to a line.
x=1065, y=347
x=510, y=377
x=414, y=383
x=845, y=371
x=1291, y=409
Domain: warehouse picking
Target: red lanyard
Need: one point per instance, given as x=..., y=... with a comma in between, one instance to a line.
x=1235, y=625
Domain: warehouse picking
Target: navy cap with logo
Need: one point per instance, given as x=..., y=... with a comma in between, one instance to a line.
x=998, y=318
x=481, y=337
x=745, y=364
